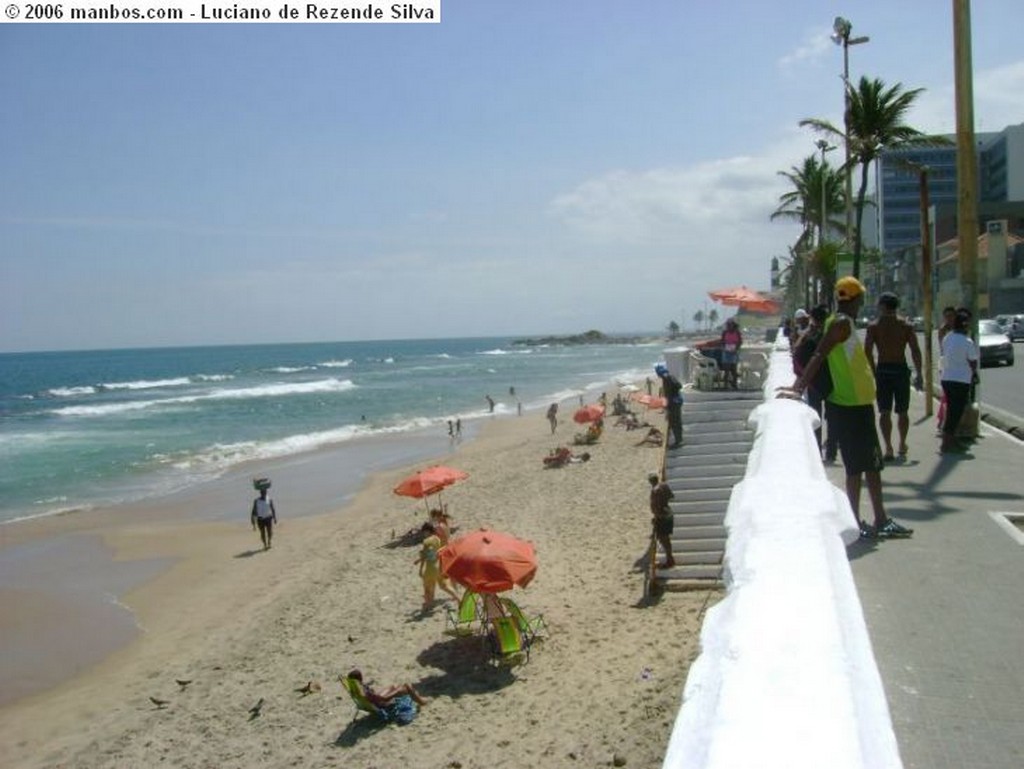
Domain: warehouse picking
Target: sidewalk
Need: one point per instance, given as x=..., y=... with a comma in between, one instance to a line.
x=945, y=609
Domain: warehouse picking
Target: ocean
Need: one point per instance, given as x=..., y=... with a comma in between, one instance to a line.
x=81, y=430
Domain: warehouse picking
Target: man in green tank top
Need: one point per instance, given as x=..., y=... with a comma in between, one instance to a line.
x=850, y=406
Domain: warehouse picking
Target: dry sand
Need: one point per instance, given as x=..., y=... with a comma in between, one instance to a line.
x=331, y=595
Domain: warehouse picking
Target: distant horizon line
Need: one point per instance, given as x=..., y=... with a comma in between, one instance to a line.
x=179, y=346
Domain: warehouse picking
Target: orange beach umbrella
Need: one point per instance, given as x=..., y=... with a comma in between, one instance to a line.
x=429, y=481
x=486, y=561
x=590, y=413
x=745, y=299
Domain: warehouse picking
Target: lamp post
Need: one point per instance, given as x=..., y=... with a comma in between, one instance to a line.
x=841, y=29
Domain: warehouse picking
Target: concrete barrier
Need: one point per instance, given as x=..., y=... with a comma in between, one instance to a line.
x=786, y=676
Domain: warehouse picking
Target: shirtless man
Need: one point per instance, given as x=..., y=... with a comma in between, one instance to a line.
x=890, y=336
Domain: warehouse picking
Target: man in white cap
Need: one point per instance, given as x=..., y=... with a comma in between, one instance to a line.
x=851, y=407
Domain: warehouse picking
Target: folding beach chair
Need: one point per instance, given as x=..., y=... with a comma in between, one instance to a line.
x=362, y=702
x=462, y=620
x=401, y=710
x=528, y=626
x=508, y=644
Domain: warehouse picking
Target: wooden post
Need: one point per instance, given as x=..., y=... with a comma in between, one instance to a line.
x=926, y=274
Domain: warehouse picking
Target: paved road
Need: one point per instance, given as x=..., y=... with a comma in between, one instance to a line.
x=1002, y=387
x=945, y=609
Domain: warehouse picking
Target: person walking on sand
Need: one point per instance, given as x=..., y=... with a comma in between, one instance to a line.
x=553, y=416
x=264, y=516
x=673, y=392
x=891, y=336
x=662, y=519
x=430, y=570
x=851, y=407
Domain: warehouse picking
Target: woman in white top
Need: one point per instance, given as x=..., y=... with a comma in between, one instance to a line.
x=959, y=366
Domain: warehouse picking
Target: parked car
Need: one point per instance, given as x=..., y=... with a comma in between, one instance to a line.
x=996, y=347
x=1012, y=325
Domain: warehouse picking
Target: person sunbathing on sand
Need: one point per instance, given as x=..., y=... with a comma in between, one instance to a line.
x=383, y=697
x=654, y=437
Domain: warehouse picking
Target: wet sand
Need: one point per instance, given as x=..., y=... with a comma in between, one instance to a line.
x=333, y=594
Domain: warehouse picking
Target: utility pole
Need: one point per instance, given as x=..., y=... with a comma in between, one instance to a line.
x=966, y=166
x=926, y=274
x=966, y=160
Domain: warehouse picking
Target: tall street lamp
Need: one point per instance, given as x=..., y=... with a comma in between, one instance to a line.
x=841, y=29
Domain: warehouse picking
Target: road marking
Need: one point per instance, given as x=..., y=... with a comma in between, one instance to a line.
x=1012, y=524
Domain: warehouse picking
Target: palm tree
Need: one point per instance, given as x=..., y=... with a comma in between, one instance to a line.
x=673, y=330
x=698, y=318
x=815, y=184
x=712, y=318
x=876, y=120
x=816, y=200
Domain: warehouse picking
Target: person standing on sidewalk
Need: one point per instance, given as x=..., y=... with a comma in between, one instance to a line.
x=819, y=388
x=890, y=335
x=959, y=372
x=851, y=407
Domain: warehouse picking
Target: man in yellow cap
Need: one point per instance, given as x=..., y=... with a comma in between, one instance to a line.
x=850, y=407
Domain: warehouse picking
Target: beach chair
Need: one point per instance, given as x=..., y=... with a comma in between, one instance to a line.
x=530, y=627
x=401, y=710
x=362, y=702
x=507, y=642
x=706, y=374
x=461, y=620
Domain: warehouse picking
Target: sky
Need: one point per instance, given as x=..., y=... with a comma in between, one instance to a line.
x=521, y=168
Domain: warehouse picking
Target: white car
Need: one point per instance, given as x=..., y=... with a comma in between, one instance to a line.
x=1012, y=325
x=996, y=347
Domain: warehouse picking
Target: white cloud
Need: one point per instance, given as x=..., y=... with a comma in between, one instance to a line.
x=998, y=102
x=815, y=46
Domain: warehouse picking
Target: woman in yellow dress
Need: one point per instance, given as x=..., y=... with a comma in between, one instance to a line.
x=430, y=571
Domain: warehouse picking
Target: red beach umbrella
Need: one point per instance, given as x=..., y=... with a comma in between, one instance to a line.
x=486, y=561
x=429, y=481
x=590, y=413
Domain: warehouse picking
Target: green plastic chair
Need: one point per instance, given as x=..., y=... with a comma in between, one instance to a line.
x=462, y=620
x=508, y=644
x=530, y=627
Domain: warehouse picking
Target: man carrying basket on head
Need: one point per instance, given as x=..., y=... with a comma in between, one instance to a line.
x=263, y=514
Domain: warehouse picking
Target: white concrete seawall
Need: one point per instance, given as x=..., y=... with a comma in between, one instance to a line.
x=786, y=676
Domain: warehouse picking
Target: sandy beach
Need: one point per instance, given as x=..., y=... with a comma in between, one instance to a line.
x=334, y=594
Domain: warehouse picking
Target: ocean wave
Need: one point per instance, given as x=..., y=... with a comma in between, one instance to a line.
x=261, y=391
x=220, y=457
x=336, y=363
x=500, y=351
x=146, y=384
x=213, y=377
x=290, y=369
x=71, y=392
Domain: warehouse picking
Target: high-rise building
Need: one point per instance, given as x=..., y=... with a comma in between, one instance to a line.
x=1000, y=179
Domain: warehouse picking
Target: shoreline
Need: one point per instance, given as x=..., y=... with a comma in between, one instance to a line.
x=332, y=577
x=88, y=616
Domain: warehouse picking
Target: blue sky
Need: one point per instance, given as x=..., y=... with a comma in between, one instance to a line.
x=520, y=168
